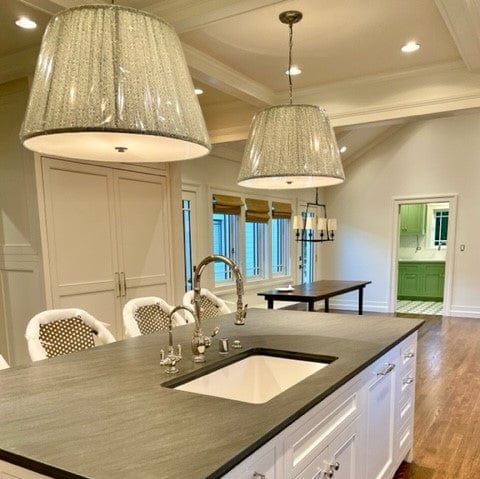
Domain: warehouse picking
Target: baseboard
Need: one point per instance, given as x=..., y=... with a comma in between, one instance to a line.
x=464, y=311
x=352, y=305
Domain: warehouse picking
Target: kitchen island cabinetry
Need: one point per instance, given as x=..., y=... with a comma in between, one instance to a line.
x=373, y=411
x=134, y=425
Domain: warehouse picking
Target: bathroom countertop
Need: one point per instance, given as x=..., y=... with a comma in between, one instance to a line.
x=104, y=413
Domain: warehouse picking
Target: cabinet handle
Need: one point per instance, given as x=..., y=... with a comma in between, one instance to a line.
x=408, y=380
x=386, y=370
x=118, y=288
x=409, y=355
x=123, y=284
x=257, y=475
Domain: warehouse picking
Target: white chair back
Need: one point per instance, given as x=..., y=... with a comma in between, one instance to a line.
x=61, y=331
x=3, y=363
x=148, y=315
x=210, y=304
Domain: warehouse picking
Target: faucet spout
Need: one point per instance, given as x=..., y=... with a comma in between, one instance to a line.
x=200, y=342
x=241, y=309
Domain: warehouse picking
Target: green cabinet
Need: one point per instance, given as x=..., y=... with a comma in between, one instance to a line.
x=421, y=280
x=412, y=219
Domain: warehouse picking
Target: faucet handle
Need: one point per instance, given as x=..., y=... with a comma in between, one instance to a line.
x=162, y=354
x=215, y=332
x=179, y=350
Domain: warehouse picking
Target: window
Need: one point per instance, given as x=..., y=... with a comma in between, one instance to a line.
x=225, y=238
x=441, y=228
x=187, y=243
x=280, y=246
x=255, y=234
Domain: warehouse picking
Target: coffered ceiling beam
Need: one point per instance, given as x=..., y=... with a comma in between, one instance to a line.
x=224, y=78
x=462, y=18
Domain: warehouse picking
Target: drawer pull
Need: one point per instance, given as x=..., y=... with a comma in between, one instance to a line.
x=408, y=380
x=409, y=355
x=386, y=370
x=331, y=471
x=257, y=475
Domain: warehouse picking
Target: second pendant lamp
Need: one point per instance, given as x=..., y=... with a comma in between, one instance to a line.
x=291, y=146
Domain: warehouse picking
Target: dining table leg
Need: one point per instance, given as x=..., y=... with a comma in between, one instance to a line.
x=360, y=301
x=270, y=303
x=327, y=305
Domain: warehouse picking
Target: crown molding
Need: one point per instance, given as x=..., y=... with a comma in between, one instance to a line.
x=224, y=135
x=224, y=78
x=421, y=91
x=462, y=18
x=188, y=15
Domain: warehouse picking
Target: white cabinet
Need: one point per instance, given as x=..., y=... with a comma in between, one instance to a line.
x=362, y=431
x=107, y=237
x=380, y=417
x=339, y=459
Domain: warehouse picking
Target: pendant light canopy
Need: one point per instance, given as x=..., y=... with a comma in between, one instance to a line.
x=291, y=146
x=112, y=84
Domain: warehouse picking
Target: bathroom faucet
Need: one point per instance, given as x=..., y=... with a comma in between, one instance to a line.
x=200, y=342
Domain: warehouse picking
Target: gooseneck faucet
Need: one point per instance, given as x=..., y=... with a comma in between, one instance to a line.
x=200, y=342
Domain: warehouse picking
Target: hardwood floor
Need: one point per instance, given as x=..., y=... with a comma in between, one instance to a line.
x=447, y=416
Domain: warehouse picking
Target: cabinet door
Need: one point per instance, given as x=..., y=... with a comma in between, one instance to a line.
x=81, y=239
x=412, y=219
x=434, y=280
x=380, y=419
x=143, y=234
x=344, y=451
x=409, y=280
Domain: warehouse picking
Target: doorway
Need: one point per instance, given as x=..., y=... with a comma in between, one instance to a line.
x=424, y=235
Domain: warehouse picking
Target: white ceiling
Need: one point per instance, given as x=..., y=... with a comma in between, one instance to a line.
x=349, y=51
x=335, y=40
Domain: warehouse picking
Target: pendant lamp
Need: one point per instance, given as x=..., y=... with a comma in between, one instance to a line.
x=112, y=84
x=291, y=146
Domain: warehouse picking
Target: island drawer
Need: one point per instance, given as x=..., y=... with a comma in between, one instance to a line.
x=313, y=434
x=408, y=351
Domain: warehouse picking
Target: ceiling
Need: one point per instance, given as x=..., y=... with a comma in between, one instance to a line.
x=348, y=50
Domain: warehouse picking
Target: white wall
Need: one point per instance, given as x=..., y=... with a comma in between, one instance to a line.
x=219, y=174
x=21, y=284
x=429, y=157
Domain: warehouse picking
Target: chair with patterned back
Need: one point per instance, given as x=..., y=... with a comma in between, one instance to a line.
x=211, y=305
x=148, y=315
x=3, y=363
x=61, y=331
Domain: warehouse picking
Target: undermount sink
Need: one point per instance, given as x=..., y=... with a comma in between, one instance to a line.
x=256, y=376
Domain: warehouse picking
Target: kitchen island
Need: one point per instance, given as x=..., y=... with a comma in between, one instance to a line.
x=104, y=413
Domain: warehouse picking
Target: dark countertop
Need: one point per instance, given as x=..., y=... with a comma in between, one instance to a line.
x=103, y=413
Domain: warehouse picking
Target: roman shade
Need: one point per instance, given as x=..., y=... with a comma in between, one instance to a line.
x=281, y=210
x=258, y=211
x=227, y=205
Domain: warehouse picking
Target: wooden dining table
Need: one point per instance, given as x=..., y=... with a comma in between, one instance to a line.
x=316, y=291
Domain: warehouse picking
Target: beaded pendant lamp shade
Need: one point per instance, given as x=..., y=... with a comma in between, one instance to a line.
x=291, y=146
x=112, y=84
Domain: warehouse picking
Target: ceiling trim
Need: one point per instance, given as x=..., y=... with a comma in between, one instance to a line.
x=441, y=88
x=224, y=135
x=188, y=15
x=224, y=78
x=462, y=18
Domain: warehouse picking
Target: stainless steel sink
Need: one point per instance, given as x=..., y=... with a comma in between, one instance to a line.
x=257, y=377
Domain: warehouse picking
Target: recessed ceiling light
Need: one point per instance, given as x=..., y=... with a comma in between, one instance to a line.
x=343, y=149
x=198, y=91
x=24, y=22
x=294, y=70
x=410, y=47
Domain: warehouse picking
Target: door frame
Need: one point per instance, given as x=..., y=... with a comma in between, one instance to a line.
x=397, y=201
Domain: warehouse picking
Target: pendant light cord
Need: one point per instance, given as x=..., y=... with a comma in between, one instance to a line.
x=290, y=46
